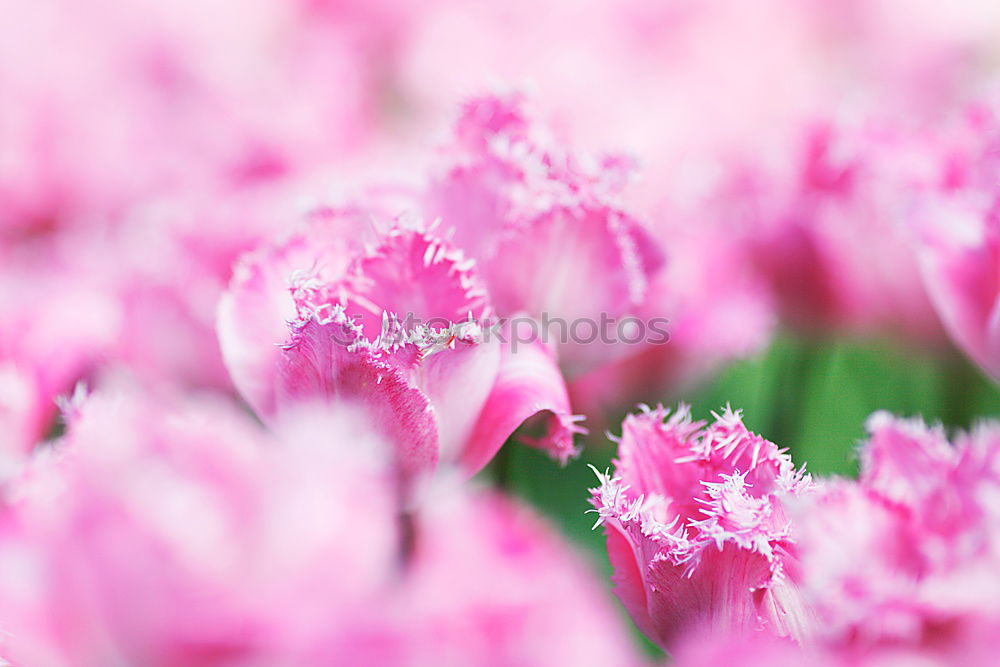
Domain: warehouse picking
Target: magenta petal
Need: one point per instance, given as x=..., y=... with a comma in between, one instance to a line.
x=528, y=383
x=322, y=363
x=720, y=598
x=628, y=565
x=413, y=273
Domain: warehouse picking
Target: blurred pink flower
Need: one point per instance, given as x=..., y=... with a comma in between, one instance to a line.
x=697, y=528
x=160, y=534
x=325, y=315
x=716, y=309
x=147, y=99
x=490, y=584
x=140, y=297
x=548, y=228
x=830, y=228
x=959, y=238
x=57, y=327
x=924, y=520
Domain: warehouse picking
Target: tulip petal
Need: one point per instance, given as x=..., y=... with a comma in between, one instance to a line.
x=324, y=361
x=528, y=383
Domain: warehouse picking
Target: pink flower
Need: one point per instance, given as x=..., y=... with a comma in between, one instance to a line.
x=139, y=297
x=161, y=534
x=923, y=520
x=833, y=235
x=555, y=239
x=697, y=529
x=547, y=227
x=209, y=101
x=326, y=317
x=959, y=240
x=489, y=583
x=722, y=551
x=58, y=326
x=157, y=536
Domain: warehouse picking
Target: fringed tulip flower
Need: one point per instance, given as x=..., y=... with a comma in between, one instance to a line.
x=901, y=566
x=163, y=534
x=548, y=228
x=555, y=239
x=399, y=325
x=923, y=519
x=697, y=529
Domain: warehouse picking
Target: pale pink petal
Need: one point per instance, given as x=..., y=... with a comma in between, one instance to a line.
x=261, y=300
x=573, y=262
x=527, y=383
x=490, y=579
x=458, y=382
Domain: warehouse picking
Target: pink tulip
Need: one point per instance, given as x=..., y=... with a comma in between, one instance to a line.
x=959, y=240
x=923, y=516
x=161, y=534
x=552, y=232
x=212, y=96
x=321, y=317
x=547, y=227
x=898, y=567
x=57, y=327
x=697, y=528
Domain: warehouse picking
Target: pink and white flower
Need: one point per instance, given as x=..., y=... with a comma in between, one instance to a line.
x=326, y=316
x=923, y=519
x=162, y=533
x=548, y=228
x=959, y=239
x=897, y=567
x=697, y=527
